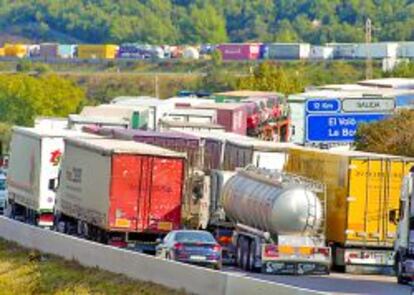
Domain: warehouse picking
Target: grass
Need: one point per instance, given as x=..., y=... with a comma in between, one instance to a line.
x=26, y=272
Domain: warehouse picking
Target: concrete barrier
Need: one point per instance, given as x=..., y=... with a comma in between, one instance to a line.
x=139, y=266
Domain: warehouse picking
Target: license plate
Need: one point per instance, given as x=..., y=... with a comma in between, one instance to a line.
x=165, y=226
x=121, y=222
x=198, y=258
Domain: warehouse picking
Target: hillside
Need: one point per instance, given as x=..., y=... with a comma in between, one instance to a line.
x=207, y=21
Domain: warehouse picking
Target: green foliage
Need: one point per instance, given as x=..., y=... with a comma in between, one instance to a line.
x=268, y=76
x=391, y=136
x=190, y=21
x=23, y=97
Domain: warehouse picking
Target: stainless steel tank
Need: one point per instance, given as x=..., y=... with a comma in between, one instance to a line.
x=272, y=205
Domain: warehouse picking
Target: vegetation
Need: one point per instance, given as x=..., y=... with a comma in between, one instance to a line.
x=391, y=136
x=207, y=21
x=29, y=273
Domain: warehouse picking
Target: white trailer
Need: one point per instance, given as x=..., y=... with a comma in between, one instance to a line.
x=33, y=171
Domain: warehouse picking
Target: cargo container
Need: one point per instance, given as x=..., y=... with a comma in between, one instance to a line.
x=191, y=115
x=51, y=123
x=2, y=52
x=376, y=50
x=33, y=172
x=191, y=53
x=135, y=115
x=189, y=126
x=343, y=50
x=48, y=50
x=107, y=51
x=67, y=50
x=15, y=50
x=234, y=51
x=363, y=190
x=77, y=122
x=157, y=108
x=287, y=51
x=230, y=115
x=405, y=50
x=138, y=197
x=321, y=52
x=187, y=101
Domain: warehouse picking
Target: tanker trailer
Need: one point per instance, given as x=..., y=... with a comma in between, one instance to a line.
x=278, y=222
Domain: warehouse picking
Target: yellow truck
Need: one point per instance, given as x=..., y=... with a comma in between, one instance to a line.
x=105, y=51
x=363, y=192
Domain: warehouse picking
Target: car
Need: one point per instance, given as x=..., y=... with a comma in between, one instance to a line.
x=191, y=246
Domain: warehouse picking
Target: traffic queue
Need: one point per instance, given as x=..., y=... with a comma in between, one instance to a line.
x=116, y=175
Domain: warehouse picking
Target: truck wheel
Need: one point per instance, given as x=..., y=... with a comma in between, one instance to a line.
x=252, y=257
x=245, y=255
x=399, y=270
x=239, y=252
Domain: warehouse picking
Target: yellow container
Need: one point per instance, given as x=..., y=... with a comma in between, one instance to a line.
x=2, y=51
x=107, y=51
x=15, y=50
x=362, y=190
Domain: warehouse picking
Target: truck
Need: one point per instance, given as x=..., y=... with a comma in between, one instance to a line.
x=363, y=191
x=3, y=192
x=118, y=192
x=278, y=222
x=404, y=244
x=32, y=176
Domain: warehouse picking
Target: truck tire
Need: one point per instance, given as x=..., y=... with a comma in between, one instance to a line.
x=245, y=255
x=399, y=270
x=239, y=251
x=252, y=257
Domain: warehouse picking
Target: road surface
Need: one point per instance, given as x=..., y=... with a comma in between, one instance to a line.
x=337, y=283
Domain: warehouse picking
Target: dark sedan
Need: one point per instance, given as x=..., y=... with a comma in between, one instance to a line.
x=191, y=246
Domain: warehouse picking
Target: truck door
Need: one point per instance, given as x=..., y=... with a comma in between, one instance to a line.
x=165, y=193
x=125, y=190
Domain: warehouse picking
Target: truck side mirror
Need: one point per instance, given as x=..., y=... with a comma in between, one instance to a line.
x=393, y=216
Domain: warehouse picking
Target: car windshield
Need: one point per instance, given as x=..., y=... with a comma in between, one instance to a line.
x=2, y=184
x=194, y=237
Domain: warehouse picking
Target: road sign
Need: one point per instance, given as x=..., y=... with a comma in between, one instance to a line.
x=323, y=105
x=336, y=127
x=365, y=105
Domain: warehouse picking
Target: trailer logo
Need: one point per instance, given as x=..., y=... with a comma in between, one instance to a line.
x=55, y=157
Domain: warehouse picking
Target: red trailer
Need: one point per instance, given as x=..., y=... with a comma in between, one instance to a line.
x=233, y=116
x=120, y=192
x=235, y=51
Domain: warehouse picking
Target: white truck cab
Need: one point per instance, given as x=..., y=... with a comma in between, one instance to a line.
x=404, y=244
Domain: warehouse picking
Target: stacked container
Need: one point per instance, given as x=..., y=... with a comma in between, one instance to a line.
x=107, y=51
x=245, y=51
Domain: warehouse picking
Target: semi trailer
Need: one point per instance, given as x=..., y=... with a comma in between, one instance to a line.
x=278, y=222
x=118, y=192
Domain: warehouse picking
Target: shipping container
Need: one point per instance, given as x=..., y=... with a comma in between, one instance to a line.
x=321, y=52
x=287, y=51
x=230, y=115
x=67, y=50
x=191, y=115
x=343, y=50
x=234, y=51
x=376, y=50
x=189, y=126
x=157, y=108
x=35, y=156
x=15, y=50
x=191, y=53
x=405, y=50
x=78, y=122
x=2, y=52
x=363, y=189
x=106, y=51
x=138, y=197
x=135, y=115
x=187, y=101
x=48, y=50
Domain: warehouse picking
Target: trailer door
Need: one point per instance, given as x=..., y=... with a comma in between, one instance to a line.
x=125, y=190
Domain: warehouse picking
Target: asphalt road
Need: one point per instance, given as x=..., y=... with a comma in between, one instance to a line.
x=337, y=283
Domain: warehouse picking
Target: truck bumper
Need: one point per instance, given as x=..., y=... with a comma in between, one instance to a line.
x=295, y=268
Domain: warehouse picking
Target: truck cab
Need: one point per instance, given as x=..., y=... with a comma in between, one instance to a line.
x=404, y=244
x=3, y=192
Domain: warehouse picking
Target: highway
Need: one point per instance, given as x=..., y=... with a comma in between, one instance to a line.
x=336, y=283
